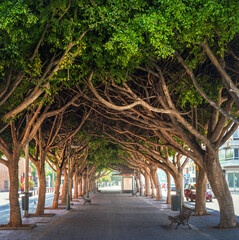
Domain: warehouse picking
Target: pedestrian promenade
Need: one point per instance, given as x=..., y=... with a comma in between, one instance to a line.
x=115, y=216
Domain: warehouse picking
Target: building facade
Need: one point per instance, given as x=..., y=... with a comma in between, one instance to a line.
x=229, y=159
x=189, y=172
x=4, y=176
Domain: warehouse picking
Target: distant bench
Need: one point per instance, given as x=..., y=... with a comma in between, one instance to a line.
x=135, y=193
x=87, y=200
x=182, y=218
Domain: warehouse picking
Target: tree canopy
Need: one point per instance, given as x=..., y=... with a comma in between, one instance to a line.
x=161, y=77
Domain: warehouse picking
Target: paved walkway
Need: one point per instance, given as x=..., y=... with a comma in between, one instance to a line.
x=119, y=217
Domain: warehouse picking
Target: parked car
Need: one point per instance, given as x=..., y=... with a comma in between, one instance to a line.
x=190, y=192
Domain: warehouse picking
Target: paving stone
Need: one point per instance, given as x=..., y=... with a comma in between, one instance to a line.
x=120, y=217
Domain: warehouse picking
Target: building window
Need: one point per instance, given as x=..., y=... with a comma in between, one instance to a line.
x=236, y=154
x=230, y=180
x=233, y=179
x=236, y=179
x=5, y=185
x=236, y=135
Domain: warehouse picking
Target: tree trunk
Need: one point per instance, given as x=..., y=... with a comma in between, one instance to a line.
x=168, y=201
x=220, y=188
x=140, y=183
x=64, y=188
x=80, y=186
x=146, y=190
x=201, y=189
x=70, y=188
x=84, y=185
x=152, y=187
x=179, y=185
x=75, y=186
x=95, y=185
x=158, y=187
x=136, y=183
x=90, y=186
x=42, y=189
x=57, y=188
x=154, y=176
x=15, y=213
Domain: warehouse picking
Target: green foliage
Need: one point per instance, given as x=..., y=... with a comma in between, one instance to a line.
x=161, y=27
x=33, y=169
x=48, y=170
x=31, y=183
x=25, y=24
x=105, y=178
x=104, y=154
x=16, y=19
x=121, y=35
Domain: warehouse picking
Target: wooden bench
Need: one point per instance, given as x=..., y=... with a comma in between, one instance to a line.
x=86, y=200
x=134, y=194
x=182, y=218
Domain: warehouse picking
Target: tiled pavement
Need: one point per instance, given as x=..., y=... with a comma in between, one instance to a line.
x=119, y=217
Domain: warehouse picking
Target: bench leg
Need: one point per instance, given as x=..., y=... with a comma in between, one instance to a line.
x=188, y=225
x=177, y=225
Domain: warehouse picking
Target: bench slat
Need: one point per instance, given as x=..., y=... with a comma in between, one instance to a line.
x=182, y=218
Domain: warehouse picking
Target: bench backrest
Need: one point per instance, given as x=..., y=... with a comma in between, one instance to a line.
x=186, y=212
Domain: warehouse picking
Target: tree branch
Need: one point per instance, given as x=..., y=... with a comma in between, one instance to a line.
x=203, y=94
x=4, y=162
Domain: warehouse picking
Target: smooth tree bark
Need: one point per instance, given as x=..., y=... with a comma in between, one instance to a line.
x=158, y=188
x=84, y=185
x=168, y=201
x=154, y=177
x=42, y=184
x=76, y=183
x=146, y=187
x=80, y=186
x=57, y=161
x=136, y=182
x=15, y=213
x=90, y=185
x=152, y=186
x=201, y=189
x=178, y=179
x=140, y=183
x=70, y=187
x=220, y=188
x=57, y=188
x=64, y=188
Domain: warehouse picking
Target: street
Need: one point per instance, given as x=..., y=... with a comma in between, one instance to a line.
x=214, y=204
x=5, y=209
